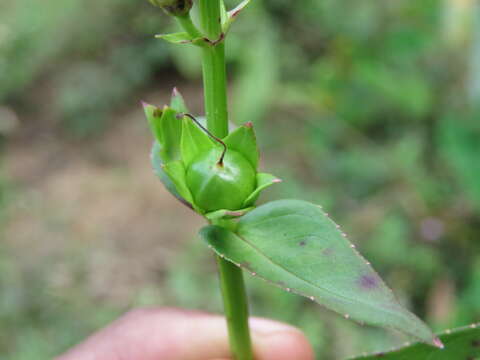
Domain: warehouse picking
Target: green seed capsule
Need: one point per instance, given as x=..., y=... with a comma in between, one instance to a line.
x=225, y=185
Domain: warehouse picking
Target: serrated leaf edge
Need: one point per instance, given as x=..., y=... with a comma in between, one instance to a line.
x=413, y=343
x=313, y=298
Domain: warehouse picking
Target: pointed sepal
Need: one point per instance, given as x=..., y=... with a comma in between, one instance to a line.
x=264, y=180
x=243, y=140
x=153, y=115
x=158, y=169
x=177, y=102
x=171, y=130
x=166, y=129
x=194, y=141
x=176, y=172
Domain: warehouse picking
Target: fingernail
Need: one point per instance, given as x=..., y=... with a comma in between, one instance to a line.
x=274, y=340
x=264, y=327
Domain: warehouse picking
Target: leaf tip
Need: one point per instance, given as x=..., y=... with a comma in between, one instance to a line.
x=438, y=343
x=248, y=125
x=276, y=181
x=175, y=92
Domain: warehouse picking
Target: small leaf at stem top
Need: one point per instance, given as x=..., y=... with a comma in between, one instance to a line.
x=181, y=38
x=232, y=15
x=294, y=245
x=223, y=12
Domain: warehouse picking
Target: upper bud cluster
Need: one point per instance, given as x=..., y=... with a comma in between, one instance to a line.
x=174, y=7
x=207, y=173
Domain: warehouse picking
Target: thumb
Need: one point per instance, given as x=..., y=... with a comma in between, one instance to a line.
x=273, y=340
x=176, y=334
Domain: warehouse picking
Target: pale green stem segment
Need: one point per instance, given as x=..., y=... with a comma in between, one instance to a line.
x=214, y=70
x=186, y=23
x=215, y=90
x=236, y=309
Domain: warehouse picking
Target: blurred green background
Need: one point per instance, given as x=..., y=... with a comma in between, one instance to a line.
x=367, y=107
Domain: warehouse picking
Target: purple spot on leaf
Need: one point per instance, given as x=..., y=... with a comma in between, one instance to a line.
x=368, y=281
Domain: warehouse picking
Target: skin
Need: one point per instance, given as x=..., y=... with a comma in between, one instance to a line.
x=178, y=334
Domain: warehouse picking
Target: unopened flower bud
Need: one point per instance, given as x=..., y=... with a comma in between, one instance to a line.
x=174, y=7
x=225, y=185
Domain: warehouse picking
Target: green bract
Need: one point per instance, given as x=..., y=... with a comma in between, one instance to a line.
x=215, y=177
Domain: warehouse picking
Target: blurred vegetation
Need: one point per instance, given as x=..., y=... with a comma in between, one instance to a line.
x=370, y=108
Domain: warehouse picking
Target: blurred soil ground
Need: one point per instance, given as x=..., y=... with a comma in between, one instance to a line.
x=99, y=198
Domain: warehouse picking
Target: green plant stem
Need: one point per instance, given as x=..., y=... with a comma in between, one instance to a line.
x=186, y=23
x=236, y=309
x=214, y=69
x=215, y=90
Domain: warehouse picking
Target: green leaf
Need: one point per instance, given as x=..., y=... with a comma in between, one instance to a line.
x=177, y=102
x=460, y=344
x=194, y=141
x=232, y=15
x=244, y=141
x=180, y=38
x=176, y=172
x=294, y=245
x=223, y=12
x=158, y=169
x=264, y=180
